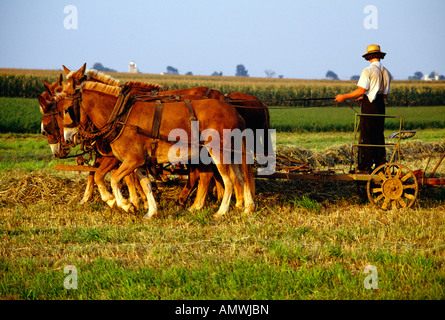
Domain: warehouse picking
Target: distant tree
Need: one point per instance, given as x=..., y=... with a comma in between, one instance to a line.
x=189, y=73
x=171, y=70
x=331, y=75
x=355, y=77
x=417, y=76
x=99, y=67
x=441, y=77
x=241, y=71
x=281, y=76
x=215, y=73
x=269, y=73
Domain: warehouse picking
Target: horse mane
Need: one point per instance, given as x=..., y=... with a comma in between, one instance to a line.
x=143, y=86
x=100, y=87
x=59, y=96
x=94, y=75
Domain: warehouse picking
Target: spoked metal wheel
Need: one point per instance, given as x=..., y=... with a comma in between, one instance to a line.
x=392, y=185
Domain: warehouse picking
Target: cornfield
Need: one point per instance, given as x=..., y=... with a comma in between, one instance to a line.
x=274, y=92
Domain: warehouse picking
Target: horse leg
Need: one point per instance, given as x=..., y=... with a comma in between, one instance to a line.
x=142, y=174
x=191, y=182
x=249, y=187
x=140, y=190
x=88, y=194
x=205, y=177
x=134, y=198
x=106, y=165
x=224, y=171
x=237, y=177
x=125, y=169
x=218, y=182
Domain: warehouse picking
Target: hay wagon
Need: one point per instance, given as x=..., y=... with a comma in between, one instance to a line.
x=391, y=185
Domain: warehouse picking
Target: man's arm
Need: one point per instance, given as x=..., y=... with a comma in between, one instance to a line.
x=354, y=94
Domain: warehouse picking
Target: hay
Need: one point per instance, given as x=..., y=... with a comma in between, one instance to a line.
x=36, y=187
x=24, y=188
x=336, y=155
x=415, y=149
x=341, y=154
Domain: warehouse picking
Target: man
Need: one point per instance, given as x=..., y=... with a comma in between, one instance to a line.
x=374, y=86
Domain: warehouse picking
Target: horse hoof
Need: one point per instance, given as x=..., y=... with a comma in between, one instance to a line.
x=136, y=205
x=239, y=206
x=111, y=203
x=249, y=209
x=128, y=208
x=151, y=215
x=218, y=215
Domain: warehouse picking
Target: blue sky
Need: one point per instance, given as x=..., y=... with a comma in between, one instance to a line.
x=296, y=39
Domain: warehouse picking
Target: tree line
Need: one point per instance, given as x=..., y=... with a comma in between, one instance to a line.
x=241, y=71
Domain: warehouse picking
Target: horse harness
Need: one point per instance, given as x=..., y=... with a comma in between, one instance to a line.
x=117, y=120
x=53, y=126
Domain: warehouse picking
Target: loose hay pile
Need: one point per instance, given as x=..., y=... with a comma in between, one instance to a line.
x=342, y=154
x=35, y=187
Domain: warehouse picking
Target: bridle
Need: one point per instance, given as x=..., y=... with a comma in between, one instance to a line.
x=74, y=109
x=53, y=126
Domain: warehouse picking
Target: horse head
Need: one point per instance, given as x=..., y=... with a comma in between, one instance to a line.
x=52, y=126
x=52, y=89
x=69, y=101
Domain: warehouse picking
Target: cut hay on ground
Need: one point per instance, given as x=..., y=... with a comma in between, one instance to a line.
x=23, y=188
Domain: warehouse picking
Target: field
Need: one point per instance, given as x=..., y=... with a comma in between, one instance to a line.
x=306, y=240
x=29, y=83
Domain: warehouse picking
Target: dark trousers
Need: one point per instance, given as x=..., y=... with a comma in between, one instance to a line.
x=371, y=132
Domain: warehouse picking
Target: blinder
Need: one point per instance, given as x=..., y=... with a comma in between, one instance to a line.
x=74, y=110
x=52, y=128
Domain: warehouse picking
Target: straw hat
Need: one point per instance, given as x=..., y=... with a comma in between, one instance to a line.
x=373, y=48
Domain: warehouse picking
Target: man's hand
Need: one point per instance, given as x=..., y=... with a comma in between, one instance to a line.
x=340, y=97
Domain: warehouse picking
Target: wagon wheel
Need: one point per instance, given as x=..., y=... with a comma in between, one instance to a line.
x=392, y=185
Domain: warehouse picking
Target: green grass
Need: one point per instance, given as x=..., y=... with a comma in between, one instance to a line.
x=22, y=115
x=342, y=119
x=321, y=140
x=281, y=253
x=19, y=115
x=28, y=152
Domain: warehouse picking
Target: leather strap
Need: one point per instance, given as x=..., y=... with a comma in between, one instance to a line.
x=157, y=119
x=191, y=112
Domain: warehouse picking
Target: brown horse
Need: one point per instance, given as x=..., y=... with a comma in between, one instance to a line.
x=133, y=148
x=197, y=173
x=52, y=128
x=254, y=113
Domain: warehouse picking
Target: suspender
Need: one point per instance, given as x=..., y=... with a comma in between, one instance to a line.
x=382, y=82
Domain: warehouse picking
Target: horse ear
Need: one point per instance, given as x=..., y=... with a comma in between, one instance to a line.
x=43, y=104
x=59, y=82
x=82, y=70
x=80, y=73
x=67, y=71
x=47, y=87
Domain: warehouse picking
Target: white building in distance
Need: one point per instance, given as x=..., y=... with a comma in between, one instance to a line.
x=133, y=68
